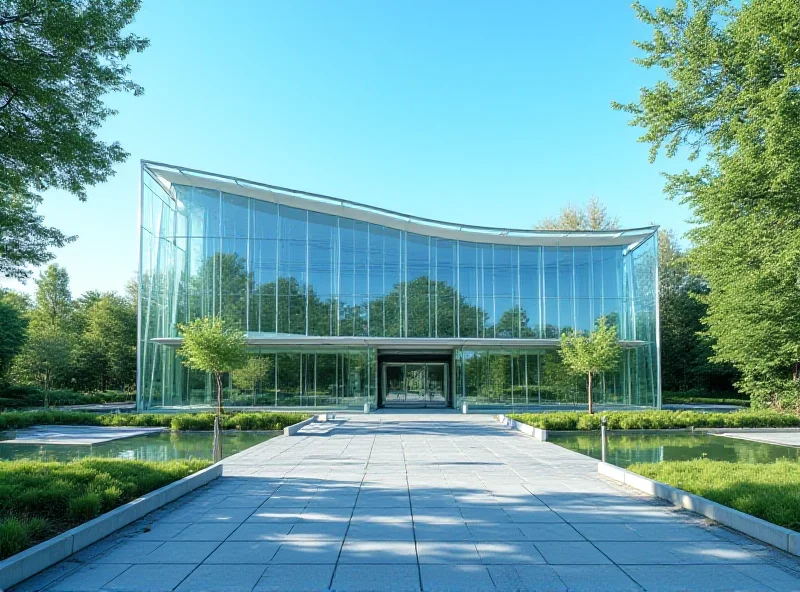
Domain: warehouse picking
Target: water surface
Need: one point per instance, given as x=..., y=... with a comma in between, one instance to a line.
x=626, y=448
x=160, y=446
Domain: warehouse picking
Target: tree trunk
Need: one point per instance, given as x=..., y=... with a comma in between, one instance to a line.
x=590, y=394
x=218, y=376
x=217, y=452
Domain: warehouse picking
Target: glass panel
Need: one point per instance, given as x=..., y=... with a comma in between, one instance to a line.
x=415, y=383
x=435, y=383
x=418, y=286
x=395, y=384
x=322, y=233
x=263, y=267
x=445, y=303
x=292, y=272
x=470, y=317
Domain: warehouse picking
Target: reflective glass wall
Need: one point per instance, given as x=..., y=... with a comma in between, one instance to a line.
x=271, y=269
x=537, y=377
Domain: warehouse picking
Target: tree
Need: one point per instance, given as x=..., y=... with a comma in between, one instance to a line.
x=24, y=239
x=45, y=360
x=13, y=328
x=592, y=216
x=591, y=354
x=58, y=60
x=106, y=348
x=731, y=100
x=249, y=376
x=209, y=345
x=53, y=301
x=686, y=346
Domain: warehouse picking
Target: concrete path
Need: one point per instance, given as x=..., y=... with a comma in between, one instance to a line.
x=77, y=435
x=409, y=502
x=787, y=438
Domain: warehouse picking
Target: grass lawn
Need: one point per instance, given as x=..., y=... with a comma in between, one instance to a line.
x=184, y=421
x=768, y=491
x=652, y=420
x=39, y=500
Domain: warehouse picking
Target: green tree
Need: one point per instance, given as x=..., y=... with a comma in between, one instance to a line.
x=686, y=346
x=209, y=345
x=53, y=306
x=250, y=376
x=24, y=238
x=13, y=328
x=45, y=360
x=591, y=354
x=592, y=216
x=106, y=345
x=58, y=60
x=731, y=100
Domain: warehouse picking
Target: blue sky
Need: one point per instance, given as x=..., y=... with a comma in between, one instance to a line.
x=494, y=113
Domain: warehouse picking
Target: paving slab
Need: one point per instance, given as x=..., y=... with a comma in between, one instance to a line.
x=779, y=438
x=419, y=501
x=77, y=435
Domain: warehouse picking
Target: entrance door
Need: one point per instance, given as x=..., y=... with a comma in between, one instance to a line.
x=415, y=385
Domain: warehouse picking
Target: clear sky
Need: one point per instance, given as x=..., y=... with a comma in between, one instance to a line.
x=493, y=113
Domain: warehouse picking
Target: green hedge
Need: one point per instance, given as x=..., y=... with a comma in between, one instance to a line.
x=700, y=396
x=41, y=499
x=657, y=420
x=185, y=421
x=20, y=397
x=768, y=491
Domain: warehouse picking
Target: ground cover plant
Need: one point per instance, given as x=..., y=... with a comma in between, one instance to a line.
x=657, y=420
x=38, y=500
x=184, y=421
x=769, y=491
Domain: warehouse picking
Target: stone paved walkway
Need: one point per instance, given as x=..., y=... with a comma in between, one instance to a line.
x=408, y=502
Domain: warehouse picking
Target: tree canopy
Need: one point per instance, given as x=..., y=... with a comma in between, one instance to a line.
x=24, y=238
x=592, y=216
x=58, y=61
x=209, y=345
x=591, y=354
x=731, y=98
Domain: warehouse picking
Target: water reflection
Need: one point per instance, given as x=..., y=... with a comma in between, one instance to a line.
x=163, y=446
x=626, y=449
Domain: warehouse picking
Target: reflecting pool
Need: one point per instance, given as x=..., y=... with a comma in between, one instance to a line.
x=160, y=446
x=626, y=448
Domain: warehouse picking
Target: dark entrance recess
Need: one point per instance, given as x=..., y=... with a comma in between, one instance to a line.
x=415, y=380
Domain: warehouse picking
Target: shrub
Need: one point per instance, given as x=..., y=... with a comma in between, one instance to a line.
x=184, y=421
x=14, y=536
x=84, y=507
x=658, y=420
x=20, y=397
x=44, y=498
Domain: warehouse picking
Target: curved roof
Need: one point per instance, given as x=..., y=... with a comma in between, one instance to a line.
x=169, y=175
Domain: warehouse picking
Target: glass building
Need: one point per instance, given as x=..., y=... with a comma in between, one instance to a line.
x=348, y=304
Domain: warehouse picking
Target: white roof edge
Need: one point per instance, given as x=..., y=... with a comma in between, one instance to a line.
x=397, y=342
x=169, y=175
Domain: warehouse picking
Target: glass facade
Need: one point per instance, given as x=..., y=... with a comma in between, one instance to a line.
x=279, y=272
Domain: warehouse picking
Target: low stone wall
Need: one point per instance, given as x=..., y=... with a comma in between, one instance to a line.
x=772, y=534
x=537, y=433
x=31, y=561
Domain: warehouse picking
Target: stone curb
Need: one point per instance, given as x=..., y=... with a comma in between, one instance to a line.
x=772, y=534
x=294, y=428
x=23, y=565
x=537, y=433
